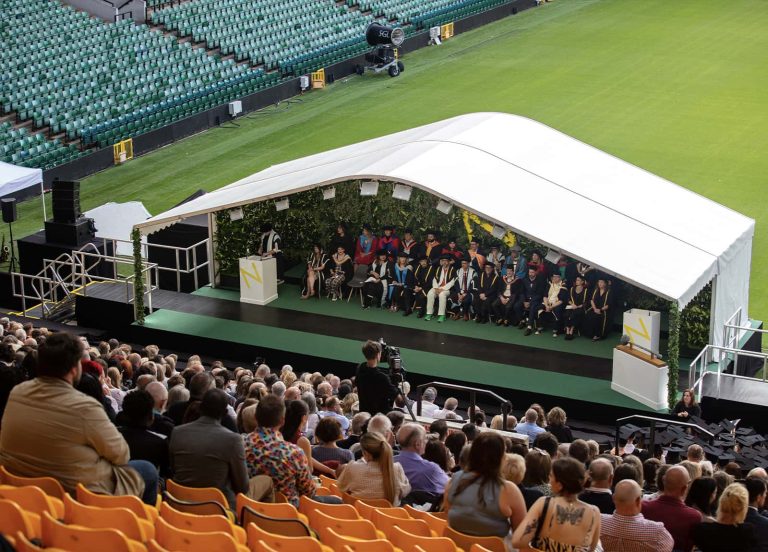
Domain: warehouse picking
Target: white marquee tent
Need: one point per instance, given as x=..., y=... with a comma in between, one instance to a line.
x=541, y=183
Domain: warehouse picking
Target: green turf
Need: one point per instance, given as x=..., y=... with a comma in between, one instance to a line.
x=419, y=362
x=290, y=298
x=679, y=88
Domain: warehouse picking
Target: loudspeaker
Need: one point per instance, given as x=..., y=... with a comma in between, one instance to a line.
x=67, y=233
x=9, y=210
x=66, y=201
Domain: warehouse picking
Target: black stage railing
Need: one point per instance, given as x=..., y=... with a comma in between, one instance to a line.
x=505, y=405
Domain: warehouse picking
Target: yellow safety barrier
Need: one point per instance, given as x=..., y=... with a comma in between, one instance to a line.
x=123, y=151
x=318, y=79
x=446, y=31
x=508, y=239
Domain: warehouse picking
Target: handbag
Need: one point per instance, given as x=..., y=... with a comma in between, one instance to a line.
x=535, y=544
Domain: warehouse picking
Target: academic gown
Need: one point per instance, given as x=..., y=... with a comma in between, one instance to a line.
x=489, y=286
x=365, y=250
x=375, y=289
x=575, y=317
x=596, y=325
x=401, y=288
x=423, y=280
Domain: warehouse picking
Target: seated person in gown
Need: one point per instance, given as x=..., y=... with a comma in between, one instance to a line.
x=389, y=242
x=553, y=306
x=486, y=292
x=401, y=286
x=463, y=290
x=423, y=275
x=574, y=309
x=409, y=246
x=509, y=288
x=379, y=276
x=340, y=273
x=598, y=314
x=366, y=246
x=529, y=301
x=313, y=279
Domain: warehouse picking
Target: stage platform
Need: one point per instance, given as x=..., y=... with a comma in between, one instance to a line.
x=321, y=334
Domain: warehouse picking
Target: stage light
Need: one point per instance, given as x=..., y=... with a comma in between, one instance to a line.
x=329, y=192
x=380, y=35
x=369, y=188
x=236, y=214
x=282, y=204
x=444, y=206
x=401, y=191
x=498, y=232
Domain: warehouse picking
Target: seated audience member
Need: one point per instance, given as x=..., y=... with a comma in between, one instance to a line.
x=423, y=275
x=509, y=288
x=497, y=422
x=341, y=272
x=529, y=427
x=206, y=454
x=296, y=413
x=598, y=493
x=575, y=308
x=439, y=428
x=478, y=500
x=436, y=451
x=566, y=522
x=423, y=475
x=553, y=306
x=513, y=469
x=327, y=432
x=359, y=421
x=448, y=412
x=401, y=286
x=454, y=442
x=375, y=287
x=136, y=421
x=428, y=406
x=52, y=430
x=160, y=424
x=538, y=468
x=529, y=301
x=687, y=406
x=756, y=488
x=366, y=246
x=485, y=293
x=471, y=431
x=670, y=509
x=267, y=453
x=463, y=290
x=375, y=476
x=546, y=441
x=627, y=529
x=176, y=394
x=701, y=496
x=695, y=454
x=597, y=316
x=332, y=409
x=579, y=450
x=626, y=470
x=556, y=419
x=728, y=533
x=440, y=289
x=200, y=383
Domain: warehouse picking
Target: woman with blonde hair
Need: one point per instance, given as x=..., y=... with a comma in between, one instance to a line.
x=375, y=475
x=728, y=533
x=556, y=419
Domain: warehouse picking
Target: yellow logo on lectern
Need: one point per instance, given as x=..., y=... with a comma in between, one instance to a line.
x=630, y=331
x=251, y=275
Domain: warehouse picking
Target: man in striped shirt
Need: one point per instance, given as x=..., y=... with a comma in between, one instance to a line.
x=626, y=530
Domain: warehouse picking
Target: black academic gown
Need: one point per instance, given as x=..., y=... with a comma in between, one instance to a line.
x=401, y=289
x=373, y=290
x=423, y=277
x=596, y=325
x=488, y=286
x=574, y=317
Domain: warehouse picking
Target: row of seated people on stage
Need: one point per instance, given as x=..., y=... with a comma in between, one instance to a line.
x=119, y=420
x=568, y=298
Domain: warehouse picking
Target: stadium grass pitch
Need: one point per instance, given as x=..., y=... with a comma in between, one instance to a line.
x=677, y=88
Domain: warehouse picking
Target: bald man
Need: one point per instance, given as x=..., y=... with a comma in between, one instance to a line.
x=670, y=509
x=160, y=424
x=599, y=491
x=626, y=530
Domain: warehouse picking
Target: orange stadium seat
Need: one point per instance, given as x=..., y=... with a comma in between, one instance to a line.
x=49, y=485
x=122, y=519
x=13, y=519
x=180, y=540
x=201, y=523
x=282, y=543
x=284, y=510
x=408, y=542
x=132, y=503
x=493, y=544
x=83, y=539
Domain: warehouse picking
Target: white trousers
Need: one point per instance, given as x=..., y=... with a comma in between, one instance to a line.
x=442, y=299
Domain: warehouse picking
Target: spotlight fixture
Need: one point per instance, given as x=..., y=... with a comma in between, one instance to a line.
x=402, y=192
x=236, y=214
x=329, y=192
x=369, y=188
x=282, y=204
x=498, y=232
x=380, y=35
x=444, y=206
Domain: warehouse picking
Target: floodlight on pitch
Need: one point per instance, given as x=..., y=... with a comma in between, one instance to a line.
x=381, y=35
x=329, y=192
x=282, y=204
x=444, y=206
x=403, y=192
x=498, y=232
x=236, y=214
x=369, y=188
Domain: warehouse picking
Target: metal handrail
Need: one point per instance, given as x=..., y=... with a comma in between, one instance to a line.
x=653, y=420
x=506, y=406
x=703, y=359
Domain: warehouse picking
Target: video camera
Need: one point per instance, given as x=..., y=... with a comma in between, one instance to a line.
x=391, y=355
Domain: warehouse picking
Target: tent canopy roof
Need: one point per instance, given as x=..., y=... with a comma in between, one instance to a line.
x=14, y=178
x=534, y=180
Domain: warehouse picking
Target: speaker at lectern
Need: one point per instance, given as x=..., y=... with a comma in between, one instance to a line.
x=258, y=280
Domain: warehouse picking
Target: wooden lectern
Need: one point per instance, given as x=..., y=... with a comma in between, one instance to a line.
x=258, y=280
x=639, y=376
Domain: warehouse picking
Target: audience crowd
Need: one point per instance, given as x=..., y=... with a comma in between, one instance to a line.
x=122, y=420
x=432, y=279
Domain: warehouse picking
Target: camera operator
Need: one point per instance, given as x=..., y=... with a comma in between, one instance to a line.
x=374, y=388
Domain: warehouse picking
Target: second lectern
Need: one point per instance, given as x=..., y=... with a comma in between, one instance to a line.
x=258, y=280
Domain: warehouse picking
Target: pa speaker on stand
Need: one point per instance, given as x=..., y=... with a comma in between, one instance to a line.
x=68, y=226
x=9, y=215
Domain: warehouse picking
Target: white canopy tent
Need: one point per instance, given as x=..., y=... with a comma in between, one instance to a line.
x=14, y=179
x=541, y=183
